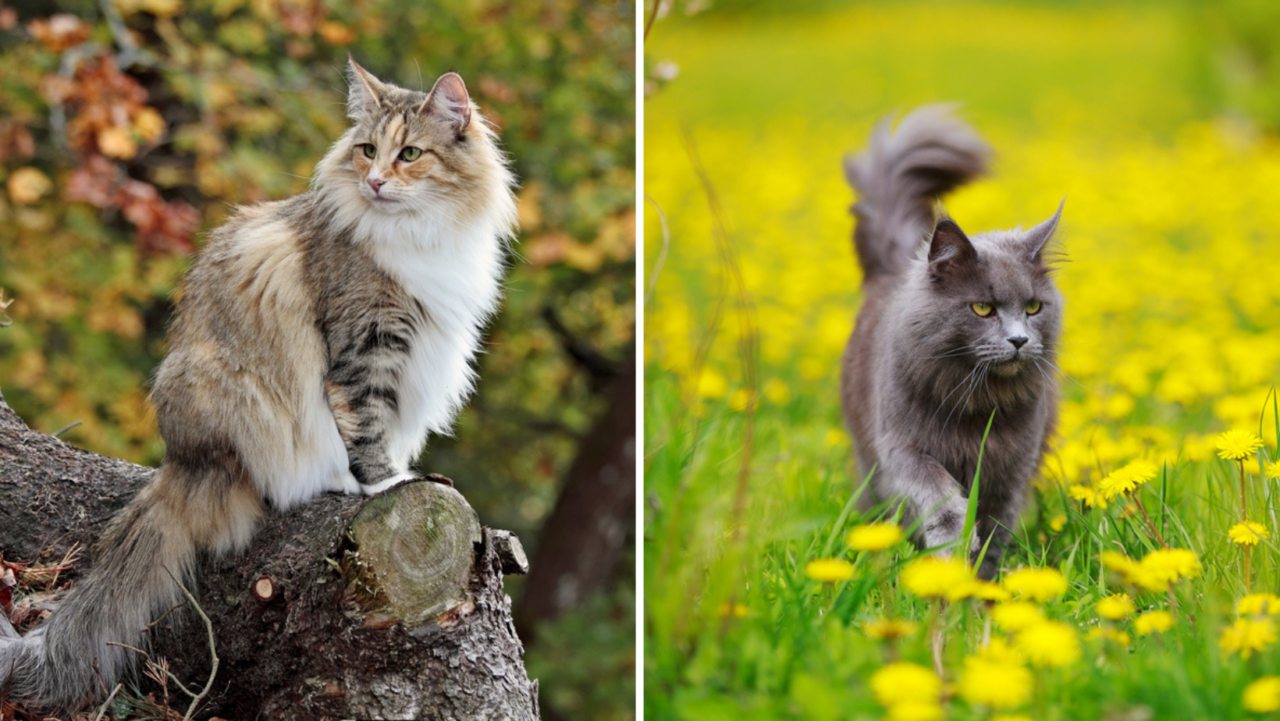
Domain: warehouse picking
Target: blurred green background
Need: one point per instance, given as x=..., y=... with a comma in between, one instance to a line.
x=130, y=127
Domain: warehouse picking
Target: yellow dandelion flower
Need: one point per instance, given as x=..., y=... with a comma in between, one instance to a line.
x=1153, y=622
x=888, y=628
x=1115, y=607
x=711, y=384
x=934, y=577
x=1134, y=573
x=829, y=570
x=1248, y=533
x=1058, y=522
x=1171, y=564
x=1272, y=469
x=1247, y=635
x=1237, y=445
x=776, y=391
x=981, y=590
x=737, y=610
x=1001, y=684
x=1117, y=561
x=1014, y=616
x=915, y=711
x=741, y=399
x=1263, y=695
x=1089, y=495
x=1051, y=643
x=1127, y=479
x=901, y=681
x=1040, y=584
x=1258, y=604
x=834, y=438
x=1108, y=633
x=998, y=650
x=874, y=536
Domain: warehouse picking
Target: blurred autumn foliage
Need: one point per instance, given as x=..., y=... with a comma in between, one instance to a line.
x=128, y=128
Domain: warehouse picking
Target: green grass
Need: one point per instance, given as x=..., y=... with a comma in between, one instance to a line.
x=797, y=650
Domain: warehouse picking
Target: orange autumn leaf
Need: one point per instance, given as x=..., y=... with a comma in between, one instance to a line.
x=116, y=142
x=27, y=185
x=149, y=124
x=59, y=32
x=336, y=33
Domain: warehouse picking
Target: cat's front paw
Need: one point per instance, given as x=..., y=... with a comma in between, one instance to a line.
x=373, y=489
x=346, y=484
x=945, y=525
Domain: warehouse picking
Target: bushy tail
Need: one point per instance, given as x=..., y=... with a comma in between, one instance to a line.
x=898, y=178
x=147, y=550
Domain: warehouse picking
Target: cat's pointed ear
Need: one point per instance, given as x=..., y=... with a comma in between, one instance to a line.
x=1038, y=237
x=449, y=100
x=949, y=249
x=365, y=92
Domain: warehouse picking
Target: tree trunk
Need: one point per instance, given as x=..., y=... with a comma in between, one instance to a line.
x=390, y=607
x=583, y=538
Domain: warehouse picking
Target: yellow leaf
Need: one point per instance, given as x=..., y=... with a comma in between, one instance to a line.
x=336, y=33
x=117, y=143
x=149, y=124
x=529, y=206
x=27, y=185
x=586, y=258
x=161, y=8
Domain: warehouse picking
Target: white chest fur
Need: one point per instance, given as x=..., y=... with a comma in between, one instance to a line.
x=455, y=272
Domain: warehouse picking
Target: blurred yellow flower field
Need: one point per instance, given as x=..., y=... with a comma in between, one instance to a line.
x=1171, y=286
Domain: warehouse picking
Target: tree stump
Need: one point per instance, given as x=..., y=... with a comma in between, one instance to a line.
x=390, y=607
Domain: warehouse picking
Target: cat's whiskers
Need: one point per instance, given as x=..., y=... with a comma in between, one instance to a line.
x=979, y=377
x=953, y=353
x=977, y=370
x=1068, y=377
x=957, y=387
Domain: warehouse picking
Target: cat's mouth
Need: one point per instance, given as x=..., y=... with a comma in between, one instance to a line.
x=1009, y=366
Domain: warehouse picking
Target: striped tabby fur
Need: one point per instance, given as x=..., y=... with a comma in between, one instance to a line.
x=318, y=341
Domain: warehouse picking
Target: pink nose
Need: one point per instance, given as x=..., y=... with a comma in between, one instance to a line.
x=376, y=184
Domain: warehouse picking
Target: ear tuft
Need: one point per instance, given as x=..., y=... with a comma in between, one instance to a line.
x=1038, y=237
x=449, y=100
x=949, y=249
x=365, y=93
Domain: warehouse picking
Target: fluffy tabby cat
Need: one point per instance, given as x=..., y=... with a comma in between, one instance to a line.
x=952, y=328
x=318, y=341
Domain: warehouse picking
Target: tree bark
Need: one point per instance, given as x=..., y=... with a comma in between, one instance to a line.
x=583, y=538
x=390, y=607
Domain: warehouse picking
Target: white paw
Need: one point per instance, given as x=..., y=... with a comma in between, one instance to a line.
x=345, y=483
x=380, y=486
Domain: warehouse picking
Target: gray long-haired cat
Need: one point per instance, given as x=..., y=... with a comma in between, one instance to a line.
x=317, y=342
x=952, y=329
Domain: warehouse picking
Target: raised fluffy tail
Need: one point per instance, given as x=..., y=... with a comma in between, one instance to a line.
x=148, y=549
x=898, y=178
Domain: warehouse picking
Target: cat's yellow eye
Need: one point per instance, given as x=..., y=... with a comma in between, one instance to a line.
x=409, y=155
x=983, y=309
x=1033, y=307
x=369, y=150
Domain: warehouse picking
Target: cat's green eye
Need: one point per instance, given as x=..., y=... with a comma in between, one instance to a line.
x=409, y=155
x=983, y=309
x=1033, y=307
x=369, y=150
